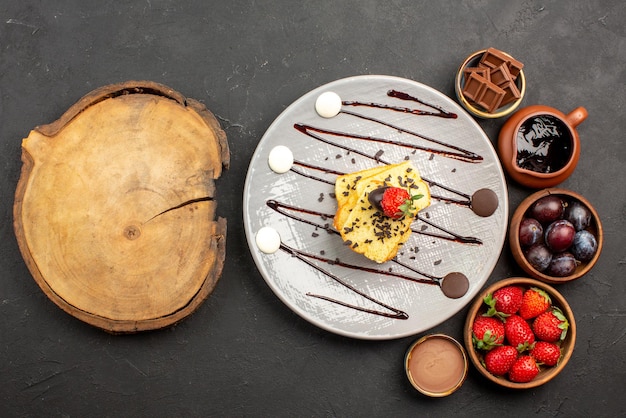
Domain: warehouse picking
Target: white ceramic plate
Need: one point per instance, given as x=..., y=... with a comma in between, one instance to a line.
x=294, y=280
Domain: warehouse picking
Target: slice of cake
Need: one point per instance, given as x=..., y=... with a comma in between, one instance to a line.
x=348, y=188
x=363, y=226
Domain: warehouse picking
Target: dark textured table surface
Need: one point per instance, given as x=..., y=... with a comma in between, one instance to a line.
x=244, y=353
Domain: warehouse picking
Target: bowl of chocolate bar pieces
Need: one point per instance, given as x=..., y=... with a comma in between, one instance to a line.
x=490, y=84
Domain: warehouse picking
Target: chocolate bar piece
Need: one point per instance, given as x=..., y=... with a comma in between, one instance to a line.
x=474, y=86
x=481, y=71
x=500, y=75
x=511, y=93
x=491, y=97
x=493, y=58
x=514, y=67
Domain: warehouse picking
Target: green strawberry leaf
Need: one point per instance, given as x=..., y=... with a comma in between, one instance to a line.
x=564, y=325
x=407, y=207
x=490, y=301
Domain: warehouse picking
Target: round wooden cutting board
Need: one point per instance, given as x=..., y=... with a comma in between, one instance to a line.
x=115, y=207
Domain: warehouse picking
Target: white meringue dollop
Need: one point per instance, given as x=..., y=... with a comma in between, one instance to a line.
x=268, y=240
x=328, y=104
x=280, y=159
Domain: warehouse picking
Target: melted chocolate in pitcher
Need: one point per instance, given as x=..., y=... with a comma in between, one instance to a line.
x=544, y=144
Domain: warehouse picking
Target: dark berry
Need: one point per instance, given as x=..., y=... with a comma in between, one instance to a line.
x=578, y=214
x=560, y=235
x=585, y=245
x=530, y=232
x=563, y=264
x=539, y=256
x=547, y=209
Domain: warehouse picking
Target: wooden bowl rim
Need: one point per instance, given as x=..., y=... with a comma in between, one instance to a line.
x=516, y=249
x=546, y=374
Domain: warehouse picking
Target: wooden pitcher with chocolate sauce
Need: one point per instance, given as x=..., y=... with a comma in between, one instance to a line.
x=539, y=146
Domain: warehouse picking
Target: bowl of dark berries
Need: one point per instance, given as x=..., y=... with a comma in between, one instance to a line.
x=520, y=333
x=556, y=235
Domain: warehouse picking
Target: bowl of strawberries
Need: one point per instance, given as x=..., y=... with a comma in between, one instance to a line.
x=520, y=333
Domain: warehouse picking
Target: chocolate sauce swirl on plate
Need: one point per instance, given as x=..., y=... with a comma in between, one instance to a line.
x=483, y=202
x=454, y=282
x=436, y=110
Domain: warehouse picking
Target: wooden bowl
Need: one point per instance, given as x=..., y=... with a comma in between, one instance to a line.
x=518, y=252
x=459, y=84
x=547, y=373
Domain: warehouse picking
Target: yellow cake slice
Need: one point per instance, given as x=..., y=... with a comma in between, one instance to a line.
x=366, y=230
x=348, y=188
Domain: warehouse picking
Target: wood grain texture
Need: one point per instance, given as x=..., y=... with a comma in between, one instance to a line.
x=115, y=207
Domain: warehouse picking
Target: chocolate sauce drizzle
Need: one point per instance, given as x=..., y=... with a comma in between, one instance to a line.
x=452, y=236
x=453, y=285
x=309, y=131
x=314, y=167
x=462, y=199
x=461, y=154
x=306, y=258
x=457, y=153
x=405, y=96
x=284, y=209
x=438, y=111
x=466, y=201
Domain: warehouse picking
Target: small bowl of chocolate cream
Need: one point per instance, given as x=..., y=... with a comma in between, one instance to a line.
x=436, y=365
x=490, y=84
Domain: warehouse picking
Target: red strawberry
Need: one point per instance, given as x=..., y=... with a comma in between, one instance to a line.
x=393, y=202
x=546, y=353
x=551, y=326
x=534, y=302
x=499, y=360
x=504, y=301
x=487, y=332
x=518, y=333
x=523, y=370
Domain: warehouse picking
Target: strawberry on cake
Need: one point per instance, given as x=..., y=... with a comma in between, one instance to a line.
x=377, y=206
